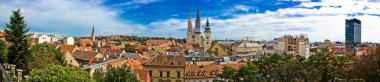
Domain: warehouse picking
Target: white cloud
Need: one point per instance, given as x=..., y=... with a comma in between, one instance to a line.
x=327, y=22
x=236, y=8
x=69, y=17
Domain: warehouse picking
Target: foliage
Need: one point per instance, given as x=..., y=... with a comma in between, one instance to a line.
x=130, y=48
x=45, y=54
x=324, y=66
x=3, y=52
x=187, y=52
x=229, y=74
x=368, y=66
x=18, y=51
x=58, y=73
x=121, y=74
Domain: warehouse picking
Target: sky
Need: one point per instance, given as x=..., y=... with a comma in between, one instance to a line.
x=229, y=19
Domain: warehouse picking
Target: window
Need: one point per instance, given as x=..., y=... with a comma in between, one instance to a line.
x=150, y=73
x=188, y=74
x=160, y=73
x=178, y=74
x=168, y=74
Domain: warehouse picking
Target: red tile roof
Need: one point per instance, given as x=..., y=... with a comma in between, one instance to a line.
x=87, y=41
x=67, y=48
x=143, y=74
x=157, y=41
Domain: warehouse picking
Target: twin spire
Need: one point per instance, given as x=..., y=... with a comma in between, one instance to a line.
x=197, y=23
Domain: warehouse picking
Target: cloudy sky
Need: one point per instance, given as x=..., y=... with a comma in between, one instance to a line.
x=229, y=19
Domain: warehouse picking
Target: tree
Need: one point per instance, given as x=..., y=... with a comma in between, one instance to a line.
x=130, y=48
x=3, y=52
x=58, y=73
x=187, y=52
x=229, y=74
x=18, y=51
x=120, y=74
x=368, y=66
x=45, y=54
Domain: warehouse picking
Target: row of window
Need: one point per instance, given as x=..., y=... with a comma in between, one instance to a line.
x=202, y=73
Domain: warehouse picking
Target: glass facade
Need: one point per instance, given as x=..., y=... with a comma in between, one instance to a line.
x=353, y=32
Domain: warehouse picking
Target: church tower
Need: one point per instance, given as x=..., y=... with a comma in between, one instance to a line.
x=208, y=40
x=93, y=34
x=189, y=39
x=197, y=30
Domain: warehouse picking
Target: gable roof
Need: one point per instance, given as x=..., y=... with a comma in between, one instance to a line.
x=67, y=48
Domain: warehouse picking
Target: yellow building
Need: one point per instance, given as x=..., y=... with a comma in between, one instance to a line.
x=164, y=68
x=216, y=49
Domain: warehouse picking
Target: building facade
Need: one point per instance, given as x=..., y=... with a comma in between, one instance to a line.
x=353, y=32
x=166, y=68
x=295, y=45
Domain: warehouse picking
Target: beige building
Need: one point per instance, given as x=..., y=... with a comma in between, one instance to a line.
x=68, y=41
x=295, y=45
x=246, y=48
x=164, y=68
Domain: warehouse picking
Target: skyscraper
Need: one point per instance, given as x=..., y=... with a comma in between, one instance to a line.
x=353, y=32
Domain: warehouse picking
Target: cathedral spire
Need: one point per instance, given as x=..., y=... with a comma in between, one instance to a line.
x=207, y=28
x=189, y=24
x=197, y=23
x=198, y=17
x=93, y=33
x=207, y=22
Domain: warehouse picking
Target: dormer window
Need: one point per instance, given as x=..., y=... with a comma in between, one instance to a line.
x=204, y=73
x=213, y=73
x=194, y=74
x=200, y=74
x=188, y=74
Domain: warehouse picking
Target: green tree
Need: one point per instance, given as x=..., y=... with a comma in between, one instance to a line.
x=45, y=54
x=3, y=52
x=120, y=74
x=58, y=73
x=18, y=51
x=367, y=67
x=130, y=48
x=229, y=74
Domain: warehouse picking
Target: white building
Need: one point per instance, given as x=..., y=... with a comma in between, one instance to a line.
x=40, y=38
x=68, y=41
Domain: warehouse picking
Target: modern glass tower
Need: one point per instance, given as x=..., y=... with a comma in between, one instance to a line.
x=353, y=32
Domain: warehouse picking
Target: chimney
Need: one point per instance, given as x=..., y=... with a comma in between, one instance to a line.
x=13, y=68
x=19, y=75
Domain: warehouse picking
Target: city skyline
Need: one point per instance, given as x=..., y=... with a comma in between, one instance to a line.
x=229, y=19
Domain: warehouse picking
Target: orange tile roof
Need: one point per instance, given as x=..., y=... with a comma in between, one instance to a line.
x=84, y=55
x=142, y=48
x=157, y=41
x=203, y=71
x=135, y=64
x=67, y=48
x=118, y=63
x=86, y=41
x=83, y=48
x=120, y=47
x=143, y=74
x=166, y=60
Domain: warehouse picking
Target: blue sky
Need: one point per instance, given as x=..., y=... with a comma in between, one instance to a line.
x=229, y=19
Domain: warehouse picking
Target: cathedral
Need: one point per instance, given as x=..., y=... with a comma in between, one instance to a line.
x=194, y=36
